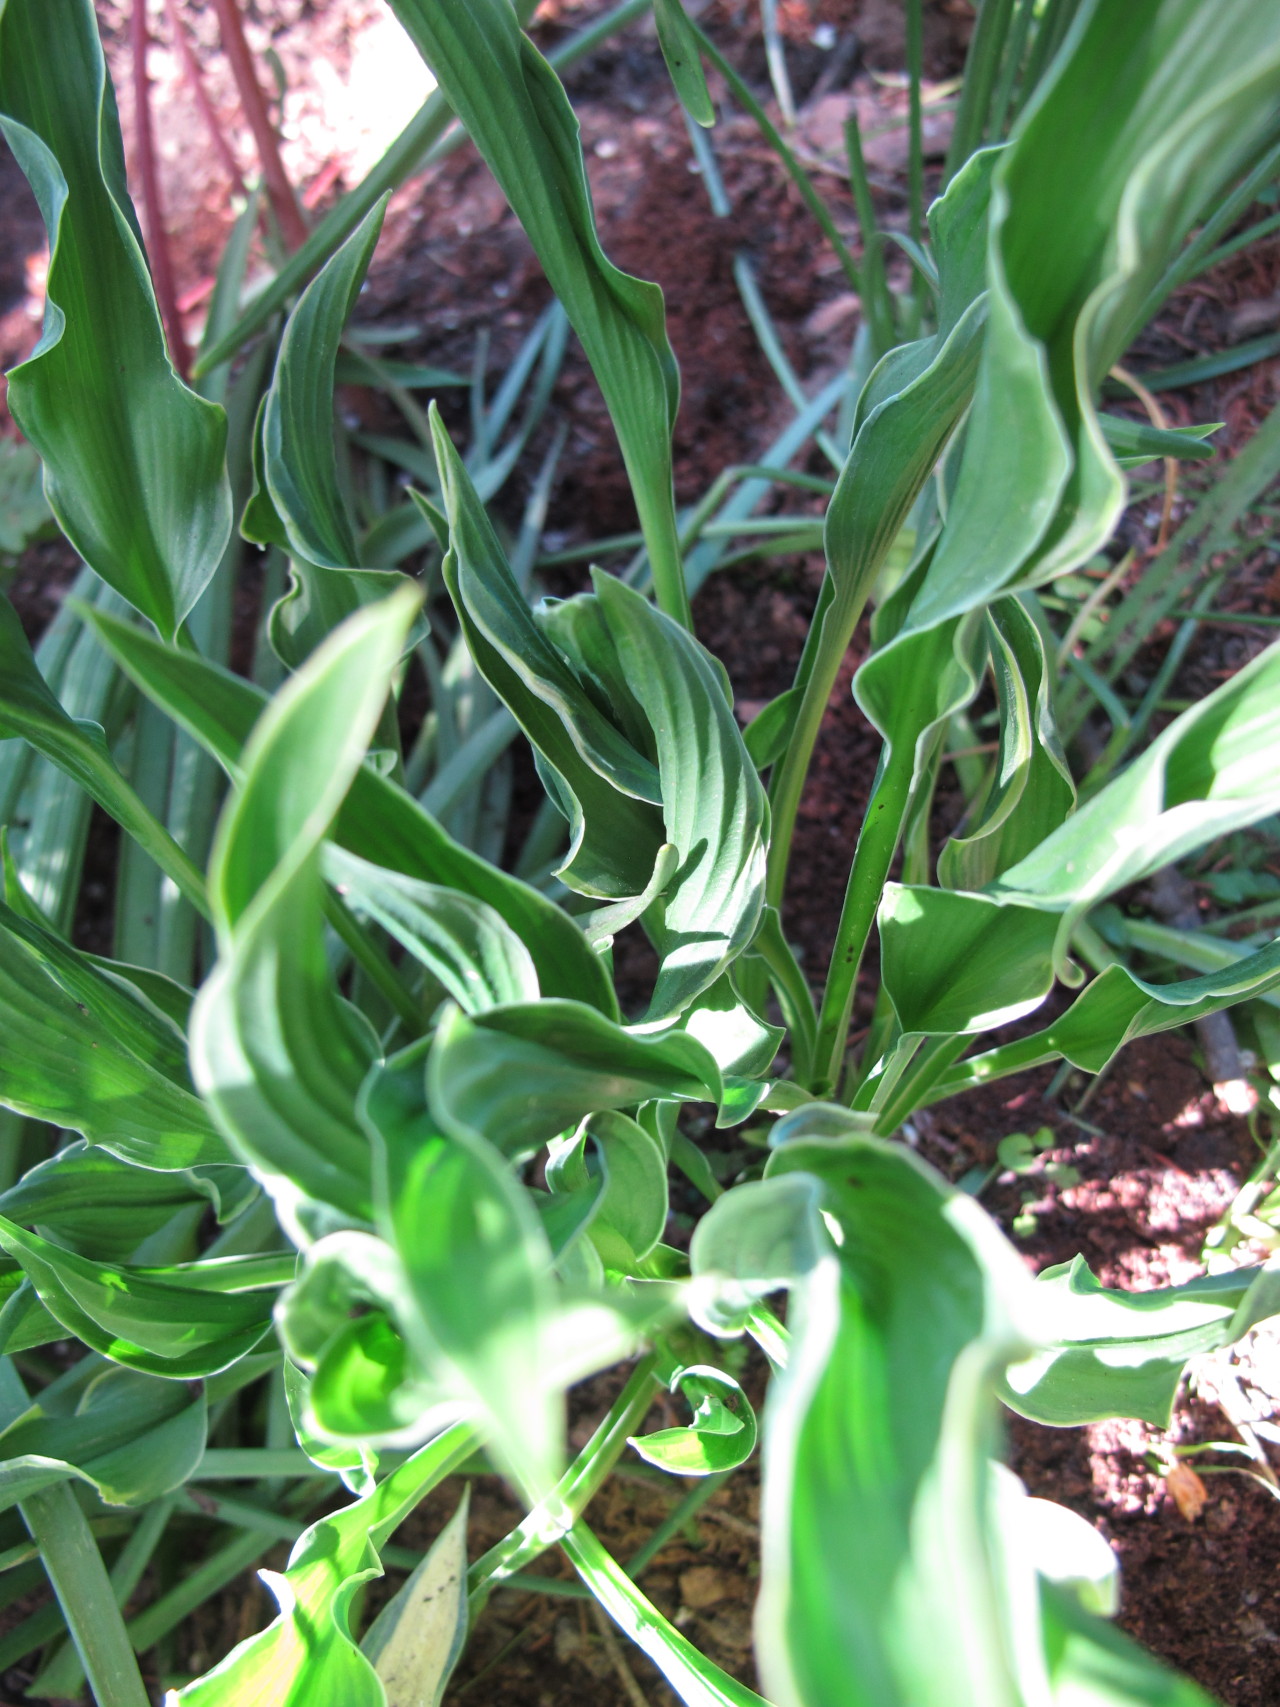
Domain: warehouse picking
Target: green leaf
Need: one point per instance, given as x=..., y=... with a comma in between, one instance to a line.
x=602, y=784
x=341, y=1320
x=908, y=409
x=133, y=459
x=1031, y=791
x=741, y=1042
x=679, y=47
x=378, y=820
x=1091, y=1661
x=477, y=1267
x=297, y=424
x=185, y=1320
x=307, y=1657
x=355, y=1463
x=1136, y=442
x=92, y=1203
x=531, y=142
x=713, y=807
x=721, y=1436
x=879, y=1582
x=1116, y=1007
x=757, y=1238
x=277, y=1053
x=416, y=1640
x=476, y=956
x=29, y=709
x=87, y=1053
x=630, y=1213
x=955, y=963
x=523, y=1074
x=130, y=1437
x=1214, y=769
x=1122, y=1354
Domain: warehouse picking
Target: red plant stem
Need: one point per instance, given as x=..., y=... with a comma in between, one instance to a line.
x=195, y=79
x=284, y=204
x=157, y=238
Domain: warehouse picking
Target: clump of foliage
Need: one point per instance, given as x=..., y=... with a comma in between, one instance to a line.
x=435, y=1149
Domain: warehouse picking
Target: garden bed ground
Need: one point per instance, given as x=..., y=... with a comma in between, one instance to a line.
x=1159, y=1157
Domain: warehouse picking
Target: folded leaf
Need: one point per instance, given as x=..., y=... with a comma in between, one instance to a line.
x=1031, y=790
x=465, y=945
x=86, y=1053
x=1122, y=1354
x=721, y=1436
x=604, y=786
x=630, y=1212
x=308, y=1657
x=1214, y=769
x=130, y=1437
x=713, y=807
x=477, y=1267
x=277, y=1053
x=133, y=459
x=187, y=1320
x=91, y=1202
x=521, y=1075
x=1112, y=1010
x=297, y=425
x=378, y=820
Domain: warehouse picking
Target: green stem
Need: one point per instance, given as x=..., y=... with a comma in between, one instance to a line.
x=61, y=1531
x=548, y=1521
x=915, y=72
x=834, y=621
x=877, y=841
x=792, y=990
x=690, y=1673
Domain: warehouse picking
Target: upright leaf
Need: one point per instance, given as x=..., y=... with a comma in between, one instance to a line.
x=517, y=113
x=378, y=820
x=133, y=459
x=277, y=1053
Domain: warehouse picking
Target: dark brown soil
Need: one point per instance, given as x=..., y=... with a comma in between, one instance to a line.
x=1158, y=1158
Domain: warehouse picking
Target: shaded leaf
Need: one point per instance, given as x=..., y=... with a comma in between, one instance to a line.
x=130, y=1437
x=133, y=459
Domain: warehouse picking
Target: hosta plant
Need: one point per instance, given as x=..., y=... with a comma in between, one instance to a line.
x=401, y=1161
